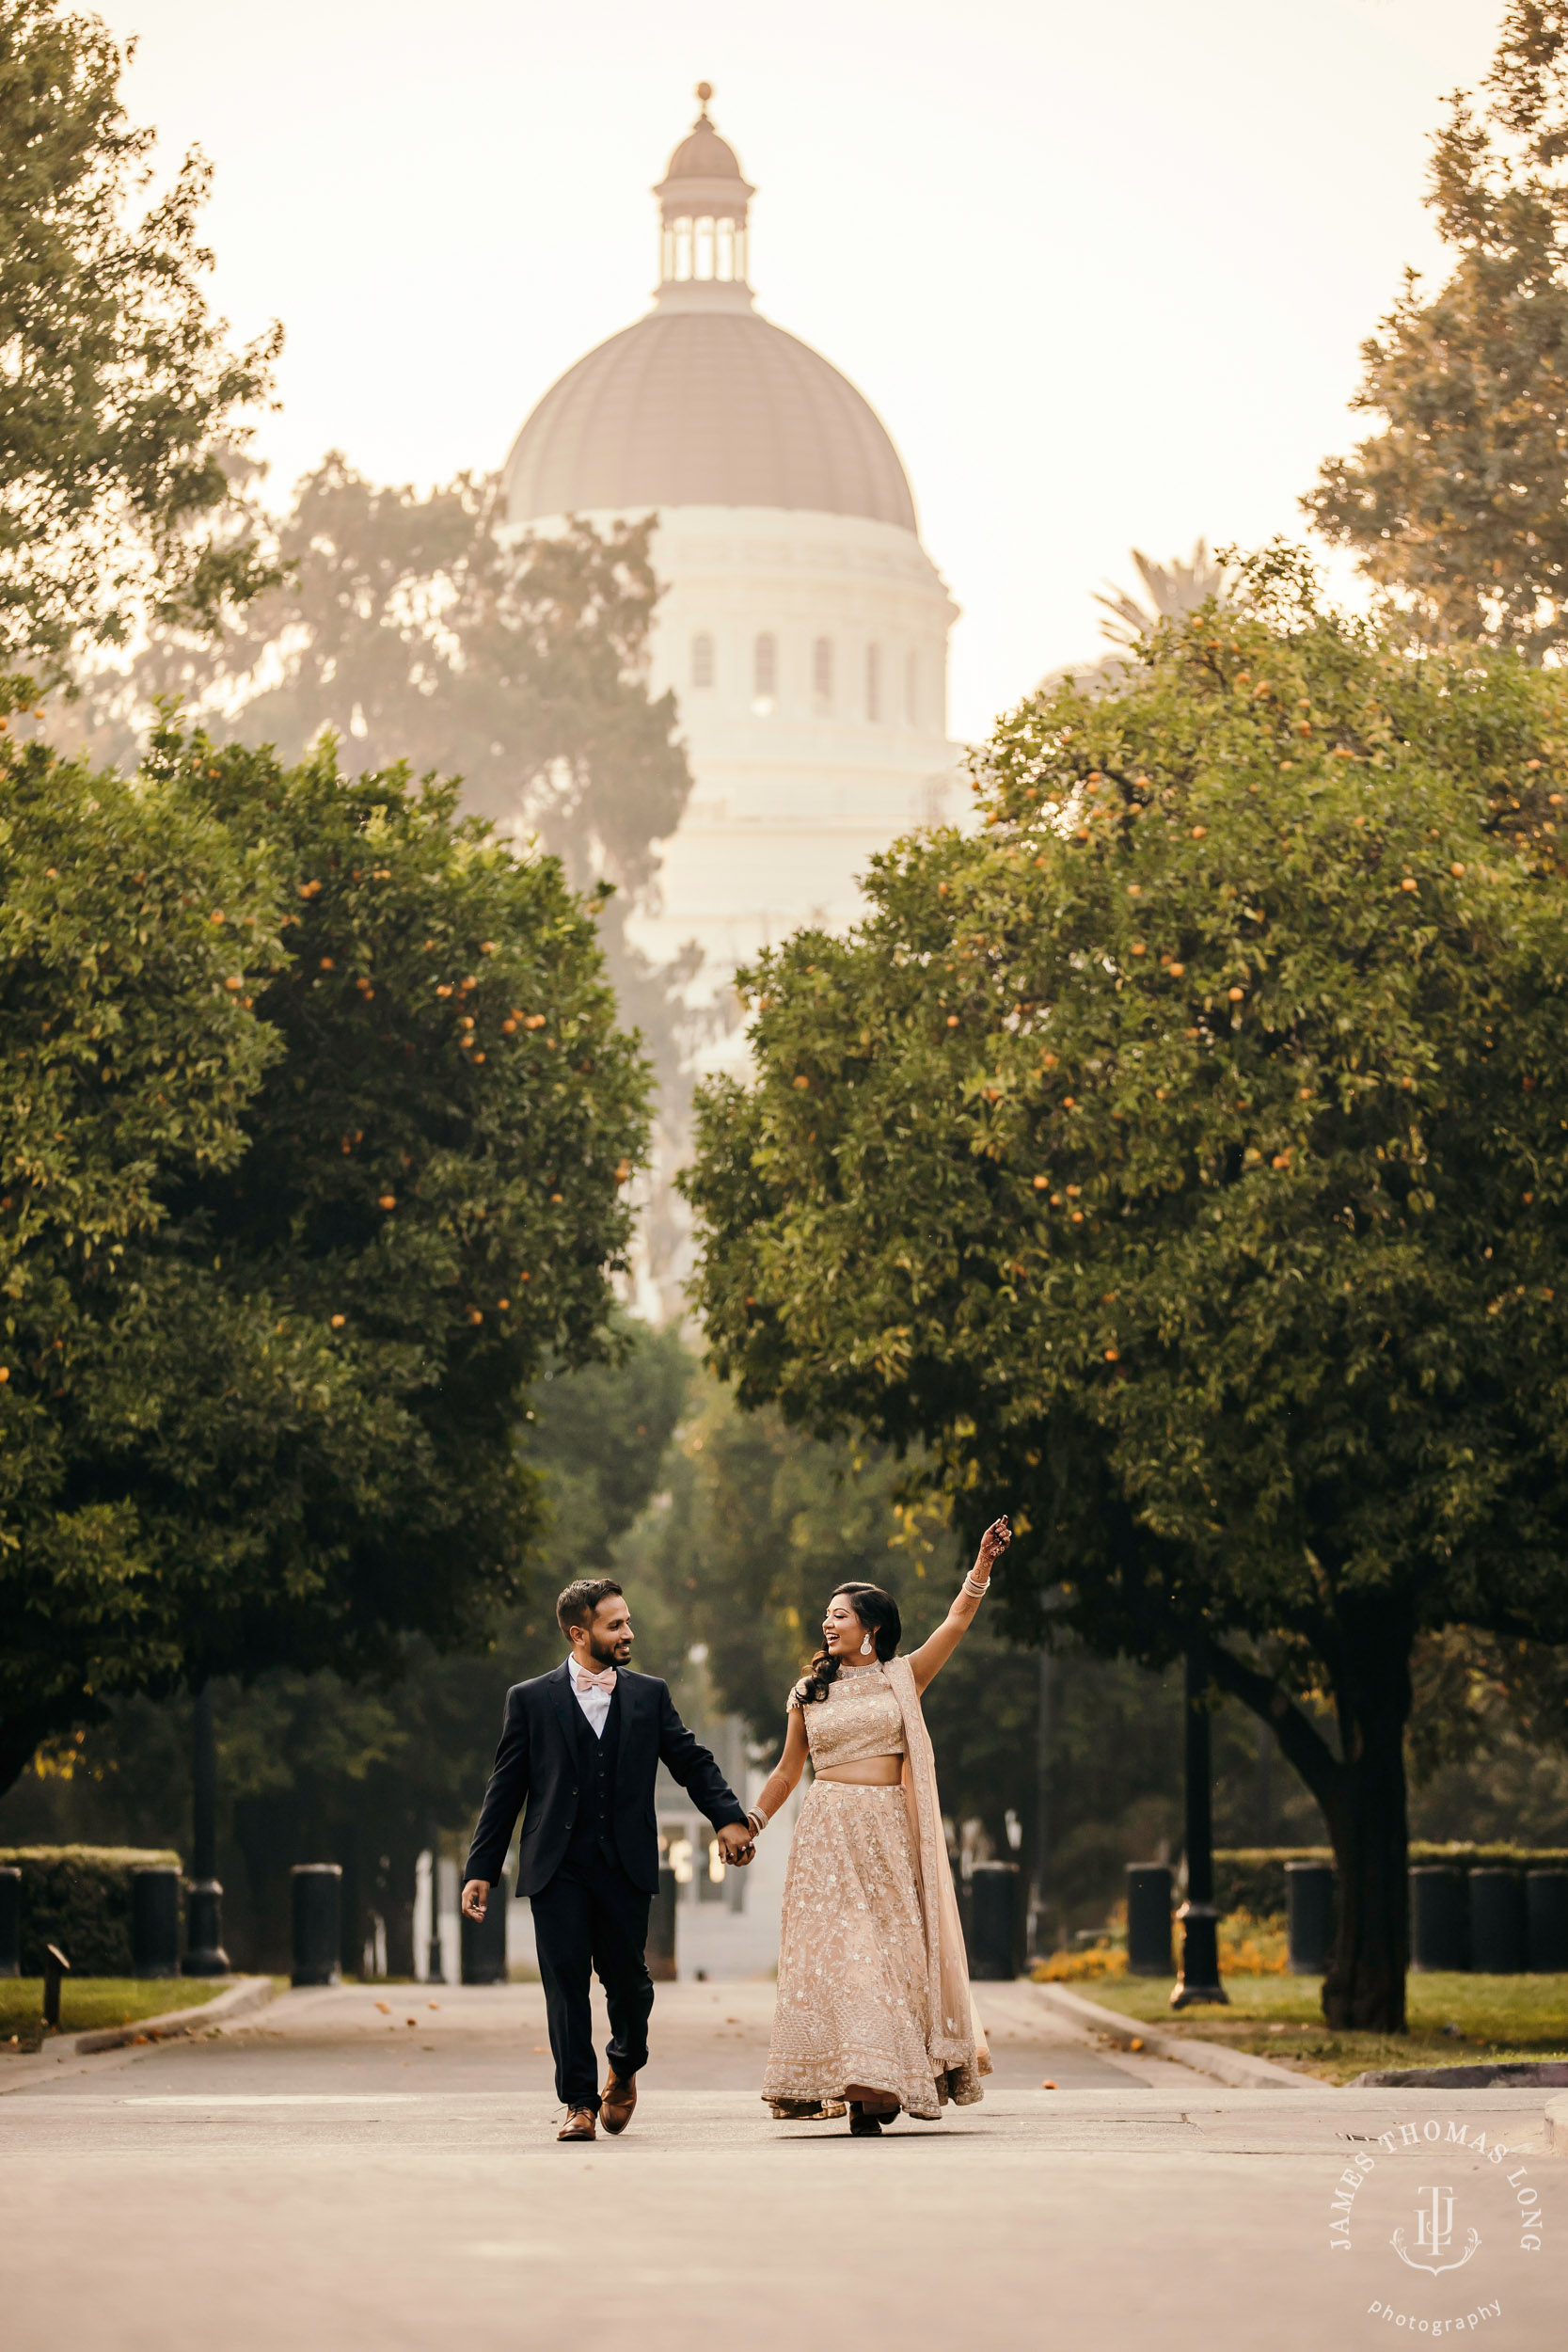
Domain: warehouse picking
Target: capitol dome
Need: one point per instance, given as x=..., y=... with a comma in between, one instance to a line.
x=803, y=628
x=706, y=409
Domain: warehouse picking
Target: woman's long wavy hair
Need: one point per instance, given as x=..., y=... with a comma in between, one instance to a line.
x=879, y=1613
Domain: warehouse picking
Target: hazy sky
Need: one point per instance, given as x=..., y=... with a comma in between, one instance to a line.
x=1103, y=268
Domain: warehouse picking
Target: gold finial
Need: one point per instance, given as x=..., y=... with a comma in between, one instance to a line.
x=705, y=91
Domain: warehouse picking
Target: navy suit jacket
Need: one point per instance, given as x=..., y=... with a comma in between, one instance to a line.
x=536, y=1766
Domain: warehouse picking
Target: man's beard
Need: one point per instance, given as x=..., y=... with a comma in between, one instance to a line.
x=604, y=1648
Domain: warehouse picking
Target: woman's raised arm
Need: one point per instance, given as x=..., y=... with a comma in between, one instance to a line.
x=934, y=1653
x=786, y=1773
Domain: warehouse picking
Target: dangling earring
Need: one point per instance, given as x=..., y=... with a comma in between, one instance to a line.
x=866, y=1646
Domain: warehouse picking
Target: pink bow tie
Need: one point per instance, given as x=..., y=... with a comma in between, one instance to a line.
x=597, y=1682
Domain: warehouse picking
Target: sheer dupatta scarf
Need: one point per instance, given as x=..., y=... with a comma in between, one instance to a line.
x=957, y=2042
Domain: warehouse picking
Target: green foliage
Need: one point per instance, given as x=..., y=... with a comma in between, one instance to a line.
x=599, y=1437
x=120, y=387
x=1180, y=1164
x=363, y=1070
x=78, y=1898
x=128, y=1060
x=1459, y=505
x=312, y=1766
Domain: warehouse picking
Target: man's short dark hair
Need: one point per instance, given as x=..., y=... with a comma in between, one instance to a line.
x=580, y=1600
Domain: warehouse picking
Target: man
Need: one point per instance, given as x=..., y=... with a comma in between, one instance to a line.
x=581, y=1747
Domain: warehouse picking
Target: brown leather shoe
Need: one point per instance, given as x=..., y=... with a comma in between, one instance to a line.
x=578, y=2124
x=616, y=2103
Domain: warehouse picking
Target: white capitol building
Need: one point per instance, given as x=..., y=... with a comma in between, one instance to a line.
x=804, y=630
x=803, y=626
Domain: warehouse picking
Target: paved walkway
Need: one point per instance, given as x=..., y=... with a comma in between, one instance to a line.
x=330, y=2176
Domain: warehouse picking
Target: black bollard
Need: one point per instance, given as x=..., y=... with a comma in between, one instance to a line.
x=996, y=1922
x=204, y=1952
x=1546, y=1911
x=1309, y=1915
x=155, y=1923
x=1199, y=1980
x=10, y=1920
x=317, y=1898
x=482, y=1942
x=55, y=1968
x=1497, y=1941
x=1148, y=1919
x=661, y=1928
x=1439, y=1927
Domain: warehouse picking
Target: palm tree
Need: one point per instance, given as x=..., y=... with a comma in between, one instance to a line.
x=1171, y=588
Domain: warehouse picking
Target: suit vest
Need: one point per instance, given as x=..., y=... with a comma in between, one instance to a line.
x=593, y=1830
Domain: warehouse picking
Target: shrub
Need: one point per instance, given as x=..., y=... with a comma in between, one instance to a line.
x=1100, y=1960
x=1251, y=1947
x=79, y=1898
x=1252, y=1878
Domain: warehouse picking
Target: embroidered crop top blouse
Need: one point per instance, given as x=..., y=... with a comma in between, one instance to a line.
x=860, y=1717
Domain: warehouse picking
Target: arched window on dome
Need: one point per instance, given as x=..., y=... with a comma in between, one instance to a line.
x=874, y=682
x=822, y=674
x=911, y=690
x=702, y=660
x=764, y=674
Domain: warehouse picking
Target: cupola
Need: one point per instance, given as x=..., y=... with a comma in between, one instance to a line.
x=703, y=200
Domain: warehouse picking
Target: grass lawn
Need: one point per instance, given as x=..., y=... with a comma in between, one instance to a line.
x=1454, y=2020
x=88, y=2003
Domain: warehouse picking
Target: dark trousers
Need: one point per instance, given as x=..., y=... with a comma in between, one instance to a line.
x=592, y=1919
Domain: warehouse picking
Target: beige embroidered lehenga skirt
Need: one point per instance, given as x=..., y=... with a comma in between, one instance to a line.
x=852, y=2002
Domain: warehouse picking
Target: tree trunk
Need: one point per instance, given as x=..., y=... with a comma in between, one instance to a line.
x=1362, y=1794
x=1369, y=1823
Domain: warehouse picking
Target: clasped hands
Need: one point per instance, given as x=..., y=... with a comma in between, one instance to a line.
x=735, y=1839
x=737, y=1843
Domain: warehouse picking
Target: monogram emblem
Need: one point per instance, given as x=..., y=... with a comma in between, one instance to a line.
x=1434, y=2236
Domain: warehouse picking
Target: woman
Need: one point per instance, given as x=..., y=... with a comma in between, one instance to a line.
x=872, y=2007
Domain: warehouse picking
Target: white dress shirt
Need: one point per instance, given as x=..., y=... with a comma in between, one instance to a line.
x=594, y=1704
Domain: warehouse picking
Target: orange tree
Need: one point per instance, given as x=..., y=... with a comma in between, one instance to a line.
x=319, y=1156
x=126, y=1061
x=1178, y=1160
